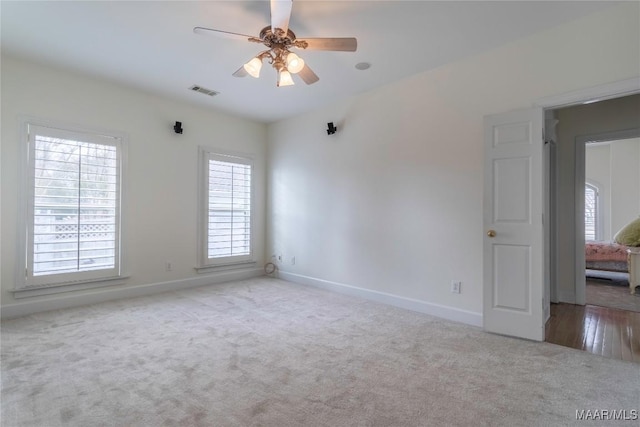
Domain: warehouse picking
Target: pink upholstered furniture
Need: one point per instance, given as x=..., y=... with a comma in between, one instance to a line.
x=606, y=256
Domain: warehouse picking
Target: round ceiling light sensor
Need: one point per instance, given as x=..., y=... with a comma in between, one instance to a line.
x=363, y=66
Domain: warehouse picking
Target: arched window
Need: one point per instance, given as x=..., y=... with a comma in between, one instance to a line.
x=591, y=212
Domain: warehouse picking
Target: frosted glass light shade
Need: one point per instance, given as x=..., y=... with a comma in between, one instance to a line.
x=295, y=64
x=284, y=78
x=253, y=67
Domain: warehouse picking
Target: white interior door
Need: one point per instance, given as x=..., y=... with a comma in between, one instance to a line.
x=513, y=242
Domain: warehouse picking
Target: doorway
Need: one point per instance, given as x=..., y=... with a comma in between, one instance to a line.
x=577, y=126
x=575, y=321
x=558, y=281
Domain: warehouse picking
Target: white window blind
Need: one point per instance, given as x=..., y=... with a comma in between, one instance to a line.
x=74, y=211
x=229, y=207
x=590, y=212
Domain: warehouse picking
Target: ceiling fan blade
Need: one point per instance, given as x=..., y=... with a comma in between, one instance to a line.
x=345, y=44
x=220, y=33
x=308, y=76
x=240, y=72
x=280, y=14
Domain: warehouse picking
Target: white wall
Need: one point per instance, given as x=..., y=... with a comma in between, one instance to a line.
x=161, y=183
x=625, y=182
x=392, y=203
x=615, y=168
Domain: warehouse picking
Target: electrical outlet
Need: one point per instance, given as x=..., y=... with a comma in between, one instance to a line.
x=168, y=266
x=456, y=287
x=279, y=258
x=293, y=260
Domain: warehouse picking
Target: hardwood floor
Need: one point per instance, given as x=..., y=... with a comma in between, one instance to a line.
x=600, y=330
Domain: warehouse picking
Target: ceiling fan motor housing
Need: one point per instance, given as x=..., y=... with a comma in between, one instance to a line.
x=279, y=38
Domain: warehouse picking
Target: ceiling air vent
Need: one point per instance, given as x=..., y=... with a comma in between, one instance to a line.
x=206, y=91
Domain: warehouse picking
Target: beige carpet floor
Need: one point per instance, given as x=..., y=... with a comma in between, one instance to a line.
x=265, y=352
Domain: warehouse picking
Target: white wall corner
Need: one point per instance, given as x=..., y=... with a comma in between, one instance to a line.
x=441, y=311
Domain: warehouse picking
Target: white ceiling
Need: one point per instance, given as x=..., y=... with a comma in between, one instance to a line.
x=151, y=44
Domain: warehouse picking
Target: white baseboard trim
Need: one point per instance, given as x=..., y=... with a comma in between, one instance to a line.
x=567, y=297
x=444, y=312
x=120, y=292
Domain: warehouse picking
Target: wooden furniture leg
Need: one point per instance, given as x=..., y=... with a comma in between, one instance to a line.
x=633, y=260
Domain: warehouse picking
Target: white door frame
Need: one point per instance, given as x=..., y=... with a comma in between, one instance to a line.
x=597, y=93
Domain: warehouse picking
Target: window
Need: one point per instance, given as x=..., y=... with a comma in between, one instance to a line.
x=225, y=212
x=73, y=206
x=591, y=212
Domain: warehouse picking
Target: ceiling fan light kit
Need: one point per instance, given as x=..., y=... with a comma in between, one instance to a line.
x=295, y=64
x=285, y=79
x=280, y=40
x=253, y=67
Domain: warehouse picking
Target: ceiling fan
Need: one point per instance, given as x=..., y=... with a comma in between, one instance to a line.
x=280, y=40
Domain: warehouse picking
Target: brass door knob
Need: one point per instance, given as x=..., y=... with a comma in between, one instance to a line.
x=491, y=233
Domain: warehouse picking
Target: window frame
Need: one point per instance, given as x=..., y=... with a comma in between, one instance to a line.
x=204, y=263
x=28, y=284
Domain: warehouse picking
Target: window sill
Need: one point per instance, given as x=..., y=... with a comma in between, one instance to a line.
x=225, y=267
x=35, y=291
